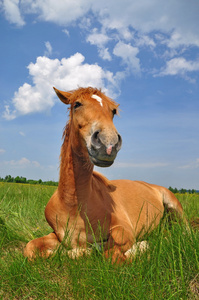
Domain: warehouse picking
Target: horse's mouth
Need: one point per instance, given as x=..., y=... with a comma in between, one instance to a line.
x=100, y=162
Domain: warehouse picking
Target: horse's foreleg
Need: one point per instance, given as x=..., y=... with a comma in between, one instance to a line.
x=43, y=246
x=118, y=243
x=116, y=255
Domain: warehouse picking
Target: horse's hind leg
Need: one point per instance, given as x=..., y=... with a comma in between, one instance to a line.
x=174, y=207
x=171, y=203
x=43, y=246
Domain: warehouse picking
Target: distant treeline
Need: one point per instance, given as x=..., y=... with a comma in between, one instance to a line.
x=182, y=191
x=20, y=179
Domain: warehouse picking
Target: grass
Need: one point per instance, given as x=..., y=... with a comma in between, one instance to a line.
x=168, y=270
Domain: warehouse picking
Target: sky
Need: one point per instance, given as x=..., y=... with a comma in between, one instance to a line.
x=143, y=54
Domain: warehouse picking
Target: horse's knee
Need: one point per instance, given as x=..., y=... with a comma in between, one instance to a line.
x=120, y=237
x=43, y=246
x=120, y=240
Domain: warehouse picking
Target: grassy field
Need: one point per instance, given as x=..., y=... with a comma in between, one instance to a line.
x=168, y=270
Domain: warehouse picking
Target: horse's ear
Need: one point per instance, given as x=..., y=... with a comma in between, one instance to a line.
x=63, y=96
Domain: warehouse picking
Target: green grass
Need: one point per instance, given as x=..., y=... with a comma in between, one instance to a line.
x=168, y=270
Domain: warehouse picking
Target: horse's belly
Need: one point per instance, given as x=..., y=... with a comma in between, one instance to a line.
x=139, y=207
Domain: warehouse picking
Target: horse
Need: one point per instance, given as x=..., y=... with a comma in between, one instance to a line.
x=87, y=208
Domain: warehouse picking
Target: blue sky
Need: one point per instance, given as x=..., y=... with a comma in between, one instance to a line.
x=144, y=54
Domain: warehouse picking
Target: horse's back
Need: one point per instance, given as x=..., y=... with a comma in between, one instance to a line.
x=130, y=192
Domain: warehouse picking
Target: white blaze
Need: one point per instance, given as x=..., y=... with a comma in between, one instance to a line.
x=99, y=99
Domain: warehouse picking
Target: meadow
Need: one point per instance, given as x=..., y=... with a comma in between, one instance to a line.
x=168, y=270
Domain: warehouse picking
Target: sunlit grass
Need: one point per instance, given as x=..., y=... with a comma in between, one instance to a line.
x=168, y=270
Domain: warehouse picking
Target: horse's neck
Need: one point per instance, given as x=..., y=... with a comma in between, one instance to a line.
x=75, y=177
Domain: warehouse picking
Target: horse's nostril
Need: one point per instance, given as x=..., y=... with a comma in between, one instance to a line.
x=95, y=140
x=99, y=140
x=95, y=135
x=119, y=143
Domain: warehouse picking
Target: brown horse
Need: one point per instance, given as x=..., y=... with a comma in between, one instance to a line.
x=88, y=208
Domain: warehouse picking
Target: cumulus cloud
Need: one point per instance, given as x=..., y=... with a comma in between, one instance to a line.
x=178, y=19
x=104, y=53
x=100, y=40
x=173, y=25
x=179, y=66
x=144, y=40
x=12, y=12
x=61, y=12
x=65, y=74
x=129, y=57
x=8, y=114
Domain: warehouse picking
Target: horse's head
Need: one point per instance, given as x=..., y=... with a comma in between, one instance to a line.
x=91, y=125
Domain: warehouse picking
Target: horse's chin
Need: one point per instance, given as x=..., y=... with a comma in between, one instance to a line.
x=101, y=163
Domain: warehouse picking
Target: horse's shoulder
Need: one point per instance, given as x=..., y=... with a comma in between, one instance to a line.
x=101, y=178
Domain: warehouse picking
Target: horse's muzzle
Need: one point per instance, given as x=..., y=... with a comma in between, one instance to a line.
x=104, y=148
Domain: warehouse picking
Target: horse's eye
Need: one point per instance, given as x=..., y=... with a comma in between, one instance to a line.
x=114, y=111
x=76, y=105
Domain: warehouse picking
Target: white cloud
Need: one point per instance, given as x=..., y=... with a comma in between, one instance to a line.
x=49, y=49
x=12, y=12
x=66, y=32
x=191, y=165
x=104, y=54
x=2, y=151
x=29, y=169
x=178, y=19
x=179, y=38
x=144, y=40
x=100, y=40
x=128, y=54
x=179, y=66
x=126, y=34
x=172, y=25
x=61, y=12
x=140, y=165
x=65, y=74
x=22, y=133
x=22, y=163
x=8, y=114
